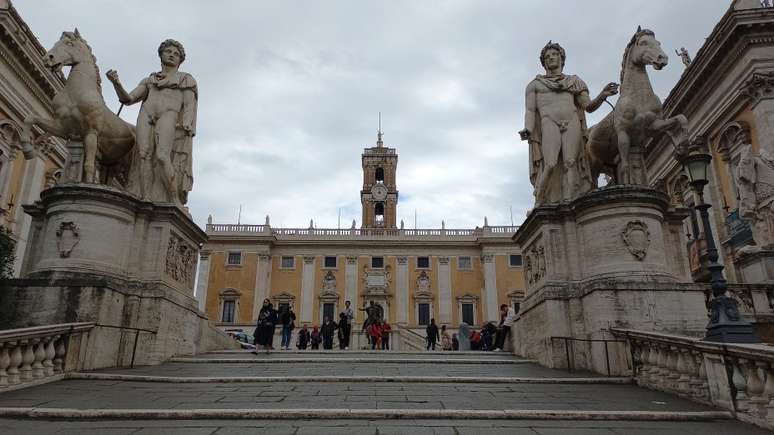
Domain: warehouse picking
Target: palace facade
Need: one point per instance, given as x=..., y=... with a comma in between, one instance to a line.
x=452, y=275
x=27, y=87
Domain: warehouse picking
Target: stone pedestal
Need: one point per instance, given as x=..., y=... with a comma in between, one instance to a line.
x=100, y=255
x=612, y=258
x=100, y=230
x=756, y=267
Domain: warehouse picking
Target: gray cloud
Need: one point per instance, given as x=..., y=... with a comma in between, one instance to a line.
x=289, y=92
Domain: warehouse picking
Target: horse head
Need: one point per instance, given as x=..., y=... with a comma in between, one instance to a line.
x=70, y=50
x=644, y=49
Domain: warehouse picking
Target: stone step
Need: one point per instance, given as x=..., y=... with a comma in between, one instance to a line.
x=358, y=414
x=349, y=379
x=346, y=360
x=386, y=353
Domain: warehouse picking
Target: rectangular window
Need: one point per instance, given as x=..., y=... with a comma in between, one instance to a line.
x=234, y=258
x=423, y=262
x=467, y=313
x=288, y=262
x=424, y=314
x=229, y=307
x=330, y=262
x=377, y=262
x=515, y=260
x=329, y=311
x=516, y=307
x=464, y=263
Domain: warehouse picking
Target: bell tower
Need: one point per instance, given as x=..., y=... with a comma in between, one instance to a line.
x=379, y=195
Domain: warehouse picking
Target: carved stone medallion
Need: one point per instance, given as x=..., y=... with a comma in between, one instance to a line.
x=67, y=236
x=636, y=237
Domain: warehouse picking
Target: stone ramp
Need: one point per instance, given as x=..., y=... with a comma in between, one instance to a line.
x=358, y=392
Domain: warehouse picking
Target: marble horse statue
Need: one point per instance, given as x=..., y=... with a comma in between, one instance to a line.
x=616, y=143
x=80, y=112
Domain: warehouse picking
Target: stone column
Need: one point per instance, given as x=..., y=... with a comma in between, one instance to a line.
x=34, y=171
x=490, y=288
x=5, y=177
x=307, y=290
x=760, y=89
x=444, y=291
x=202, y=280
x=350, y=292
x=262, y=282
x=401, y=290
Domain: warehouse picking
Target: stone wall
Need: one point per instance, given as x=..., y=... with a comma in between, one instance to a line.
x=170, y=321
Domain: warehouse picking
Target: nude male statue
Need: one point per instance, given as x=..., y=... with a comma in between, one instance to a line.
x=555, y=127
x=166, y=123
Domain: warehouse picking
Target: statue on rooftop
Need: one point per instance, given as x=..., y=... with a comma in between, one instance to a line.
x=684, y=56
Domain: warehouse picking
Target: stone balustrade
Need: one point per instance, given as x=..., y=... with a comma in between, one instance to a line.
x=358, y=233
x=737, y=377
x=29, y=356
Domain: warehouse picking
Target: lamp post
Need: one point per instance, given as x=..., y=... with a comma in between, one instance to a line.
x=725, y=325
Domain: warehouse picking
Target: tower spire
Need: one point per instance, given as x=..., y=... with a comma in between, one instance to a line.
x=379, y=133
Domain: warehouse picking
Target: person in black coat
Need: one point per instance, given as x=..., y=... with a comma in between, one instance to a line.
x=264, y=328
x=327, y=330
x=303, y=338
x=432, y=334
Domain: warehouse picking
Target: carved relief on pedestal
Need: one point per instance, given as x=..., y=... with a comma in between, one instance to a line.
x=67, y=236
x=535, y=263
x=636, y=237
x=181, y=260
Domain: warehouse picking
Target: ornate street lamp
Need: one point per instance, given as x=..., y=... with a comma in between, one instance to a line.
x=725, y=325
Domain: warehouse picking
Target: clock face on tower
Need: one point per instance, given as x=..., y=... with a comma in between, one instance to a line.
x=379, y=192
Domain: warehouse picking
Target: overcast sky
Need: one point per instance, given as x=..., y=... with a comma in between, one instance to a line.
x=289, y=92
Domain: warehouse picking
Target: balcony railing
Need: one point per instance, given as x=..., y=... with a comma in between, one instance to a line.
x=353, y=233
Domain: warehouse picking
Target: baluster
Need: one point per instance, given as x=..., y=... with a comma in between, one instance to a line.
x=14, y=377
x=698, y=377
x=652, y=374
x=684, y=370
x=674, y=374
x=755, y=388
x=5, y=361
x=39, y=354
x=740, y=383
x=28, y=356
x=48, y=365
x=659, y=376
x=60, y=353
x=643, y=355
x=768, y=390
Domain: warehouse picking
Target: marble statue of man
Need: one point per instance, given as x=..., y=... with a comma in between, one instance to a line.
x=755, y=178
x=166, y=125
x=555, y=128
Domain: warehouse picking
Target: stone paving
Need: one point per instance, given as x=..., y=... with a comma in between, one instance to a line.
x=118, y=395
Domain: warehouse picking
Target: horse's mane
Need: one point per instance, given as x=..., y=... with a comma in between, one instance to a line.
x=640, y=32
x=75, y=37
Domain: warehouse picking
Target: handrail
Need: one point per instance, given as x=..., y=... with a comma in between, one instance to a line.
x=43, y=331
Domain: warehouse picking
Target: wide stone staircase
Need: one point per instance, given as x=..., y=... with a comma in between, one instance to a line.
x=353, y=392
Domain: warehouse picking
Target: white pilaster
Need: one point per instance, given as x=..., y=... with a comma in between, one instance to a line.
x=490, y=288
x=350, y=292
x=262, y=280
x=202, y=280
x=444, y=291
x=5, y=177
x=32, y=183
x=307, y=290
x=401, y=290
x=758, y=89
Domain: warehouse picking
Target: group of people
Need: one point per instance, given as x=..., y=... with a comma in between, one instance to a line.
x=491, y=337
x=377, y=332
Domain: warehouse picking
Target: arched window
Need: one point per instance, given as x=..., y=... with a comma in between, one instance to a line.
x=379, y=213
x=379, y=175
